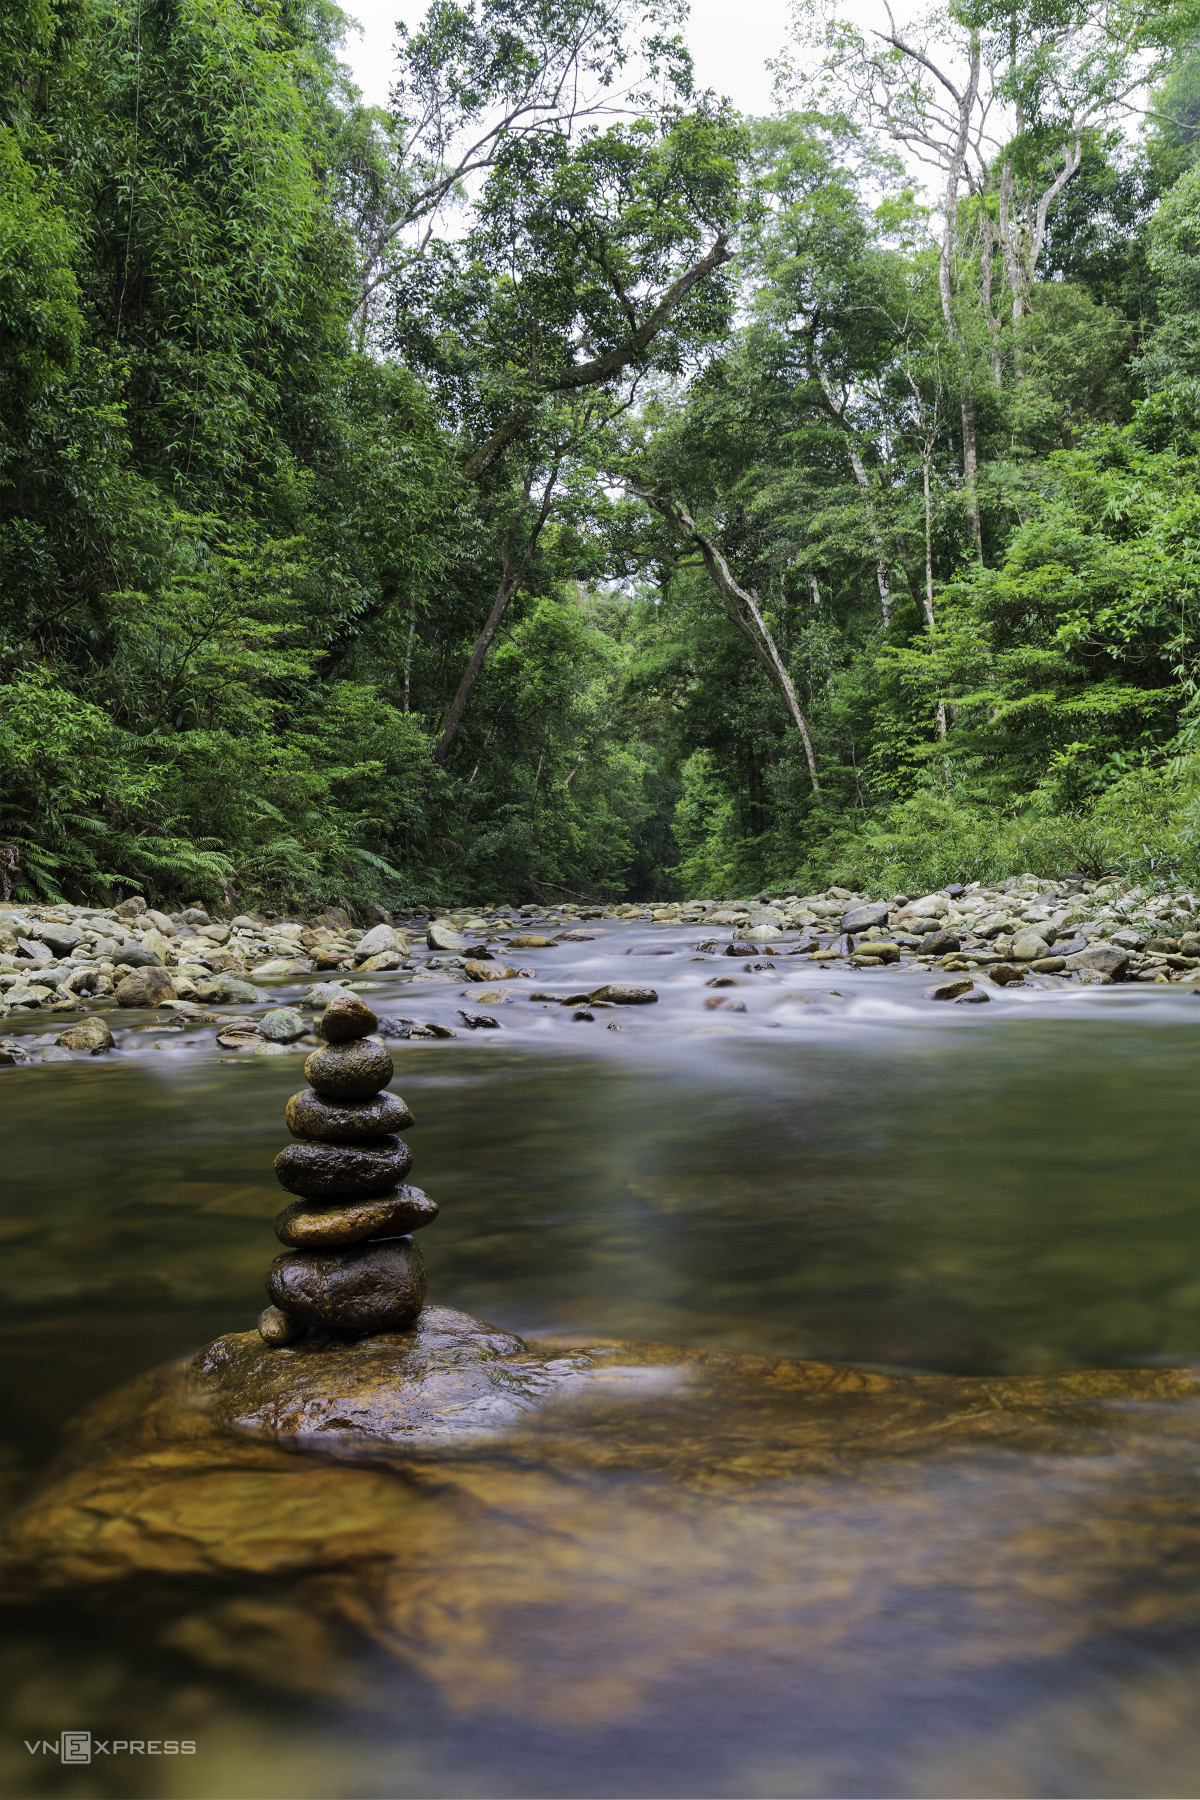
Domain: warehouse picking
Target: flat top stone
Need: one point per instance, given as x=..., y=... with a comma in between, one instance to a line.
x=861, y=918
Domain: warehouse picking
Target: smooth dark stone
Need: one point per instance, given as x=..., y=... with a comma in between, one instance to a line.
x=365, y=1287
x=350, y=1122
x=347, y=1018
x=306, y=1223
x=940, y=943
x=351, y=1071
x=317, y=1170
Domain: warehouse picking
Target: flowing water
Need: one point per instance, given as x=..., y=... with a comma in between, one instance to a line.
x=855, y=1175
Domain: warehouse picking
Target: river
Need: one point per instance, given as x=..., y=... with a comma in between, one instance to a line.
x=856, y=1176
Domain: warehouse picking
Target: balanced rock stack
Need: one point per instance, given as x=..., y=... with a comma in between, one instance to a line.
x=352, y=1266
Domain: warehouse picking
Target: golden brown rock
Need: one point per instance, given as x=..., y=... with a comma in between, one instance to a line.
x=322, y=1170
x=378, y=1286
x=581, y=1537
x=352, y=1071
x=308, y=1223
x=346, y=1122
x=347, y=1018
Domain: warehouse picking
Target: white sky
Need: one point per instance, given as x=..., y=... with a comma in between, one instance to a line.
x=730, y=44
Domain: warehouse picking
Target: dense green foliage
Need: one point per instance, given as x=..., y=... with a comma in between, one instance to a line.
x=504, y=493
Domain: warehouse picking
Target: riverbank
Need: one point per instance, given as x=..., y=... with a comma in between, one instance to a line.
x=87, y=977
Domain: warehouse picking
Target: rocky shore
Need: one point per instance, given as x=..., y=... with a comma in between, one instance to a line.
x=84, y=963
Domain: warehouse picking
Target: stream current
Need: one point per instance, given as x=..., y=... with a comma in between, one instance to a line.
x=845, y=1171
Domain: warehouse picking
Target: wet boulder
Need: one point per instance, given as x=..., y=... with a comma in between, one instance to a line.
x=379, y=941
x=363, y=1287
x=861, y=918
x=148, y=987
x=327, y=1169
x=321, y=1121
x=91, y=1034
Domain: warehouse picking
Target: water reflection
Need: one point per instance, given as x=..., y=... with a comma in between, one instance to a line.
x=1005, y=1189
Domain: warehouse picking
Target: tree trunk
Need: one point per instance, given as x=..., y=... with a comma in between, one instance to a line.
x=882, y=574
x=734, y=598
x=510, y=580
x=956, y=162
x=412, y=626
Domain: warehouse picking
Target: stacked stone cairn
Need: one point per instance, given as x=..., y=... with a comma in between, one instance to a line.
x=351, y=1265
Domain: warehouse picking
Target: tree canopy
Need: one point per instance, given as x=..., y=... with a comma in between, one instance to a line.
x=556, y=482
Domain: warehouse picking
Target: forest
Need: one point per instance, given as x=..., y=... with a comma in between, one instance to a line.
x=557, y=484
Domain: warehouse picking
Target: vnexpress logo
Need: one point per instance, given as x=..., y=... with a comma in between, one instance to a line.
x=81, y=1746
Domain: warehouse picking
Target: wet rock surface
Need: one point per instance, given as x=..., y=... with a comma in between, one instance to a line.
x=1070, y=936
x=349, y=1071
x=564, y=1533
x=323, y=1170
x=348, y=1122
x=310, y=1222
x=376, y=1286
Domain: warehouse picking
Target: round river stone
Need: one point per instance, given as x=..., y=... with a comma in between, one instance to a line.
x=365, y=1287
x=346, y=1018
x=352, y=1122
x=352, y=1071
x=316, y=1170
x=275, y=1328
x=312, y=1222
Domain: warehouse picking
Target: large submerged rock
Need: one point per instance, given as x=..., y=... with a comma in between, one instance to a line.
x=563, y=1533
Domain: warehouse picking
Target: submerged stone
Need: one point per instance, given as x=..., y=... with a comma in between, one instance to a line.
x=568, y=1535
x=91, y=1034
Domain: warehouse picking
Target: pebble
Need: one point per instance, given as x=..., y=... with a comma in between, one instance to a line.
x=377, y=1286
x=487, y=971
x=322, y=992
x=228, y=990
x=349, y=1071
x=306, y=1223
x=282, y=1025
x=276, y=1329
x=346, y=1019
x=319, y=1170
x=621, y=993
x=348, y=1122
x=444, y=937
